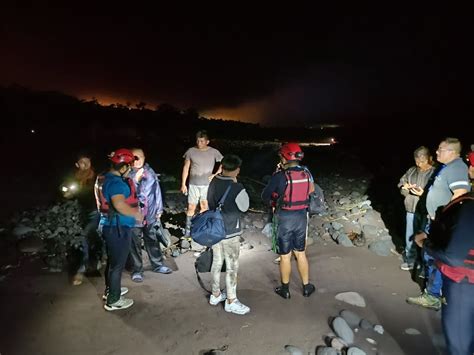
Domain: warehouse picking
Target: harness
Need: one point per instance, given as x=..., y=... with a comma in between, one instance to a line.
x=101, y=202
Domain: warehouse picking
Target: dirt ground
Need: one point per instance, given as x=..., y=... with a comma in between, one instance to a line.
x=41, y=313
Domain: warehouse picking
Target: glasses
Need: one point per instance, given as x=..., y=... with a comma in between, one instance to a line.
x=443, y=149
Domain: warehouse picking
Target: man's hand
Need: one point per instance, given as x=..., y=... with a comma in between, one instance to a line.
x=416, y=190
x=419, y=239
x=139, y=217
x=184, y=189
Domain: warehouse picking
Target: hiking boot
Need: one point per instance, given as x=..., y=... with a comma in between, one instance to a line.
x=406, y=266
x=426, y=300
x=214, y=301
x=308, y=289
x=123, y=291
x=236, y=307
x=122, y=303
x=283, y=292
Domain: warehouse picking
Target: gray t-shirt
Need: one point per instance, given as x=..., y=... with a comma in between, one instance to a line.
x=202, y=164
x=452, y=176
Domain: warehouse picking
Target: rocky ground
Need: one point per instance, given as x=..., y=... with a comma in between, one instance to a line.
x=359, y=306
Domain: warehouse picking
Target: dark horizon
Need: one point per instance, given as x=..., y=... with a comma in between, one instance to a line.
x=300, y=68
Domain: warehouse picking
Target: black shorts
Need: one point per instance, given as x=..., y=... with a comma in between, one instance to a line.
x=292, y=230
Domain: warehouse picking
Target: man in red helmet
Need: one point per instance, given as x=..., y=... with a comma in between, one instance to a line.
x=121, y=202
x=288, y=192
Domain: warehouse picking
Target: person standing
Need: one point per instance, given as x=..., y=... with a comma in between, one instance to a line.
x=119, y=195
x=228, y=249
x=149, y=194
x=288, y=190
x=199, y=163
x=411, y=186
x=80, y=187
x=450, y=181
x=451, y=244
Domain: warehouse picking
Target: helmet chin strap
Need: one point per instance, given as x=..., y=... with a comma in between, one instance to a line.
x=125, y=172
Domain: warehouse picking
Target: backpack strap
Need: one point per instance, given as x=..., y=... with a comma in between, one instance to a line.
x=221, y=201
x=201, y=283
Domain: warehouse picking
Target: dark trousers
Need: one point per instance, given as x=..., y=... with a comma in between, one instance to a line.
x=458, y=317
x=118, y=241
x=152, y=247
x=91, y=244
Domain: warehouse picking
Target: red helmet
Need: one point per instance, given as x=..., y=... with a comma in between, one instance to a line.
x=122, y=156
x=291, y=151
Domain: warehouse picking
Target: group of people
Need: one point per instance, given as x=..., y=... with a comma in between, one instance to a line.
x=129, y=206
x=440, y=221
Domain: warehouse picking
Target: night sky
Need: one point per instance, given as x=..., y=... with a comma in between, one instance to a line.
x=301, y=66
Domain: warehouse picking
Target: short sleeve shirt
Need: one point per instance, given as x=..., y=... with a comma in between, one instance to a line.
x=453, y=176
x=202, y=164
x=114, y=185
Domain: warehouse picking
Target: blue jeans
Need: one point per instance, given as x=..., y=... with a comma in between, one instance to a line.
x=458, y=316
x=118, y=240
x=410, y=251
x=434, y=281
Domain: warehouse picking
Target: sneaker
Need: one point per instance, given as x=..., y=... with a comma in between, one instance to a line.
x=137, y=277
x=77, y=279
x=214, y=301
x=308, y=289
x=123, y=291
x=406, y=266
x=426, y=300
x=122, y=303
x=236, y=307
x=285, y=293
x=185, y=243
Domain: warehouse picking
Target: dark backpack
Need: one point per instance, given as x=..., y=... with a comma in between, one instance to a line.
x=317, y=203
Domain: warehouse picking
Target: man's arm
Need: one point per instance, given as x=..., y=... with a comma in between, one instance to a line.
x=458, y=192
x=184, y=175
x=118, y=202
x=242, y=201
x=219, y=170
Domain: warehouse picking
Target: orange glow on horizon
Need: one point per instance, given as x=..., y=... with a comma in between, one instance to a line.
x=107, y=100
x=249, y=112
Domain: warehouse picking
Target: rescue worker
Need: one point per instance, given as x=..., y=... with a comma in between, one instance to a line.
x=288, y=191
x=118, y=197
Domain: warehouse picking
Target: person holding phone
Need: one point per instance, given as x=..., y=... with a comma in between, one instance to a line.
x=411, y=186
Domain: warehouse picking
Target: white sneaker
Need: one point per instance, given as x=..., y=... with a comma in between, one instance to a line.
x=122, y=303
x=123, y=291
x=236, y=307
x=214, y=301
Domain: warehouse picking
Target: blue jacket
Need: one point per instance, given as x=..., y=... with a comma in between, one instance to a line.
x=149, y=193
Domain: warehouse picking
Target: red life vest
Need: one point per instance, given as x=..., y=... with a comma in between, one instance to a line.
x=101, y=202
x=296, y=196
